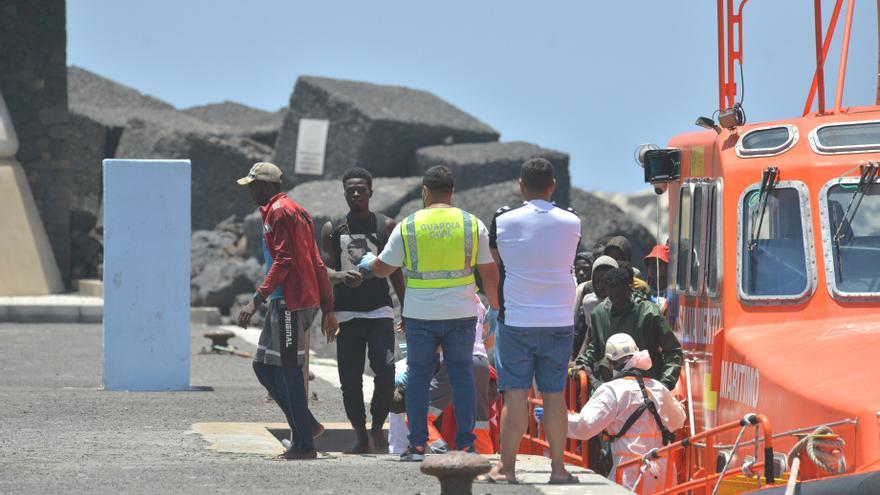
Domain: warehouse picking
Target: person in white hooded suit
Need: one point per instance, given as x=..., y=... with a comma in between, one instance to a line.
x=613, y=405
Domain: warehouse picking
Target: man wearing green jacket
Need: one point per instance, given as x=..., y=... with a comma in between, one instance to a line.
x=638, y=317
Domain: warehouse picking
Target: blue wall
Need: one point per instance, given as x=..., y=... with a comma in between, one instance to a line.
x=146, y=274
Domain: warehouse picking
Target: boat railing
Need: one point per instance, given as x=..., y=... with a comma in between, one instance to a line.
x=789, y=433
x=705, y=476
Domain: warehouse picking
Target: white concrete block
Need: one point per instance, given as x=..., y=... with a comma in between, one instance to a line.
x=146, y=274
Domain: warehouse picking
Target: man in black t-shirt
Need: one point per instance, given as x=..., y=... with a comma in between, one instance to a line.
x=363, y=307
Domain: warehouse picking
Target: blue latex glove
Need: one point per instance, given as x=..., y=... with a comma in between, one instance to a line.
x=366, y=260
x=539, y=414
x=491, y=318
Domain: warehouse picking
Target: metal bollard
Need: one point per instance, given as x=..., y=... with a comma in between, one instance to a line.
x=219, y=337
x=456, y=471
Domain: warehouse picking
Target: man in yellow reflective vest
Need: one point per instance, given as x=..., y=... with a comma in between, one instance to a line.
x=439, y=246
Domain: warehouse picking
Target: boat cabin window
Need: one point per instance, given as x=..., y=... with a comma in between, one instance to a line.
x=684, y=237
x=713, y=234
x=696, y=238
x=695, y=256
x=767, y=141
x=773, y=252
x=852, y=240
x=849, y=137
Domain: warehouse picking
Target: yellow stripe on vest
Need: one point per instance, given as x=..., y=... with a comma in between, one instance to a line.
x=441, y=248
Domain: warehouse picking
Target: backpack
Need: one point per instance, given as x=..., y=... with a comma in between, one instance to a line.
x=605, y=460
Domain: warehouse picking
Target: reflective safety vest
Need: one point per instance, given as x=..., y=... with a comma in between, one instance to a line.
x=441, y=248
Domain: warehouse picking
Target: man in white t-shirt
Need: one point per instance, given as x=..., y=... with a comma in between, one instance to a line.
x=440, y=246
x=534, y=245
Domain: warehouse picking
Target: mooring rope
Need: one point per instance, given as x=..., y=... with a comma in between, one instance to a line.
x=826, y=453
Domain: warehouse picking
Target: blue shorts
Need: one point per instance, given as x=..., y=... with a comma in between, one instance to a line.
x=524, y=353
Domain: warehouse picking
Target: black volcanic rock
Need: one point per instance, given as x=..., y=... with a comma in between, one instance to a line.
x=87, y=149
x=218, y=272
x=221, y=280
x=374, y=126
x=112, y=104
x=259, y=125
x=88, y=91
x=99, y=110
x=480, y=164
x=217, y=161
x=208, y=245
x=232, y=114
x=110, y=120
x=601, y=220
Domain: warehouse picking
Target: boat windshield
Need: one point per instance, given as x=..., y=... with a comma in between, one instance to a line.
x=856, y=254
x=774, y=260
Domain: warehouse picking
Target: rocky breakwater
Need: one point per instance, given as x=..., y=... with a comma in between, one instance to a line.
x=374, y=126
x=110, y=120
x=220, y=270
x=394, y=132
x=481, y=164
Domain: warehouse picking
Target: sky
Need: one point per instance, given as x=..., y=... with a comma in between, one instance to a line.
x=593, y=79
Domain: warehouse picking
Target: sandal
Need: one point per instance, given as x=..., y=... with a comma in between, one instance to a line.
x=489, y=479
x=570, y=480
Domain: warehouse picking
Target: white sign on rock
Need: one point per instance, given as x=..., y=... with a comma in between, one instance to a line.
x=311, y=143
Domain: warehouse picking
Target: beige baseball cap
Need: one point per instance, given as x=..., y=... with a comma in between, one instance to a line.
x=264, y=171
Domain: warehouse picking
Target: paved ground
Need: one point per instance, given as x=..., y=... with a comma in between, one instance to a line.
x=59, y=433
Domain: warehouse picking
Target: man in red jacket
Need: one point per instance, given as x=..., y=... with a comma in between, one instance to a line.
x=295, y=286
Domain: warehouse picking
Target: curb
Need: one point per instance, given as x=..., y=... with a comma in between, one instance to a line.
x=78, y=310
x=51, y=309
x=33, y=313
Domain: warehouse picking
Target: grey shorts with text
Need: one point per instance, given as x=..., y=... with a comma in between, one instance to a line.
x=282, y=341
